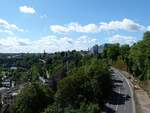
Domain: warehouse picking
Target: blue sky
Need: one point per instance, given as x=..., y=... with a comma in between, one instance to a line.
x=59, y=25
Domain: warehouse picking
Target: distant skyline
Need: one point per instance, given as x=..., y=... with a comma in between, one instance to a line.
x=60, y=25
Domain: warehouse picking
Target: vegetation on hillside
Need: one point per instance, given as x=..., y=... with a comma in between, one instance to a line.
x=136, y=57
x=33, y=99
x=139, y=58
x=86, y=88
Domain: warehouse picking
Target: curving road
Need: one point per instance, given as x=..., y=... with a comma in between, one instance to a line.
x=121, y=100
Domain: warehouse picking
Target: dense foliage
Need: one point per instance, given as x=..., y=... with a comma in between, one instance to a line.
x=33, y=99
x=85, y=87
x=140, y=58
x=136, y=57
x=84, y=90
x=29, y=67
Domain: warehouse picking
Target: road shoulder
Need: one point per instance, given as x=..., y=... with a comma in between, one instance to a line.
x=142, y=100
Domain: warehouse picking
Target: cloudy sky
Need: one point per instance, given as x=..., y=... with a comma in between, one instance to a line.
x=59, y=25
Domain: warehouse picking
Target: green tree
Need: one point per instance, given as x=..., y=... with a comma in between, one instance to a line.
x=146, y=35
x=88, y=83
x=113, y=51
x=33, y=99
x=139, y=58
x=124, y=51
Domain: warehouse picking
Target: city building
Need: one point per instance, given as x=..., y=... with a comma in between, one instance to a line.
x=97, y=49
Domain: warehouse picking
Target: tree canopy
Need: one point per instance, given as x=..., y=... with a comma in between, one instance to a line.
x=33, y=99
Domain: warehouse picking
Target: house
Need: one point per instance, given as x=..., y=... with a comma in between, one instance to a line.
x=7, y=82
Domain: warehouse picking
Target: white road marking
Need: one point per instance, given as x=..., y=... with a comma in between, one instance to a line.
x=125, y=92
x=133, y=103
x=117, y=104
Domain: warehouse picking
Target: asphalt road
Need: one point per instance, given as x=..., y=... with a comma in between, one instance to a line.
x=121, y=100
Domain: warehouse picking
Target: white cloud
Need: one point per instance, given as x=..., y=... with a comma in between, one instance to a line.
x=125, y=24
x=122, y=39
x=49, y=43
x=148, y=28
x=8, y=27
x=74, y=27
x=14, y=41
x=27, y=9
x=53, y=43
x=6, y=31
